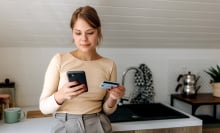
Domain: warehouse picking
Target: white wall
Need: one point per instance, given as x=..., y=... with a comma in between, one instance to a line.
x=145, y=23
x=26, y=67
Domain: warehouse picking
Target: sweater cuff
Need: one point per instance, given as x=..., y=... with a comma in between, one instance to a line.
x=107, y=110
x=49, y=105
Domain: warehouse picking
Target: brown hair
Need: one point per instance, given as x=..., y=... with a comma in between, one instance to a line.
x=90, y=15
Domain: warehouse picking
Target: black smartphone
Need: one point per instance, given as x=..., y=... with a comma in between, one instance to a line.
x=79, y=76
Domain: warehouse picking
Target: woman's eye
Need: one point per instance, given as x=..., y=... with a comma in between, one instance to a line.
x=90, y=33
x=77, y=33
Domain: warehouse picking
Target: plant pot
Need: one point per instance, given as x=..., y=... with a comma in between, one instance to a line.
x=216, y=89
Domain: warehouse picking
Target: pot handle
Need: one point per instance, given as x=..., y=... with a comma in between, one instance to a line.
x=197, y=88
x=198, y=77
x=178, y=86
x=179, y=77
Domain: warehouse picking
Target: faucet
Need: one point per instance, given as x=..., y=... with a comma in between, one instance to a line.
x=123, y=80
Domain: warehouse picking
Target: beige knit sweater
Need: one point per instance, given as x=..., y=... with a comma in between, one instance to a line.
x=89, y=102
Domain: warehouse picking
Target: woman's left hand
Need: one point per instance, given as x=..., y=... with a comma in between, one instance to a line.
x=117, y=92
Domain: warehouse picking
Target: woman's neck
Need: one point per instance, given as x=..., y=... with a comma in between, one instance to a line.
x=86, y=56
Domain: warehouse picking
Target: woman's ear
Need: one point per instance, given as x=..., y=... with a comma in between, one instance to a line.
x=100, y=31
x=72, y=36
x=99, y=35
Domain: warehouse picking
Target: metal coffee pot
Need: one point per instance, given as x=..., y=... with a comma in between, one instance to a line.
x=188, y=84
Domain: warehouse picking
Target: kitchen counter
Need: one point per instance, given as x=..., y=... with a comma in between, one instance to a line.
x=43, y=125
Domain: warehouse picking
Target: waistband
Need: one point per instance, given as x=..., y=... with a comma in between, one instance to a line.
x=67, y=116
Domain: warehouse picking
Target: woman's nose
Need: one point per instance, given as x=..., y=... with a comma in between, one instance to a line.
x=84, y=37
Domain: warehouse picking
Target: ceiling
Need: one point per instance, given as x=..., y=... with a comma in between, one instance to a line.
x=125, y=23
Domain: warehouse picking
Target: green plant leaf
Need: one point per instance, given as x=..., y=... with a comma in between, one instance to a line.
x=211, y=74
x=214, y=73
x=218, y=68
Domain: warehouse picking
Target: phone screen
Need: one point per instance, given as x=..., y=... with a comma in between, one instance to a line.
x=78, y=76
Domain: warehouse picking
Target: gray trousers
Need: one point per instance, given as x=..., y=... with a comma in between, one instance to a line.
x=88, y=123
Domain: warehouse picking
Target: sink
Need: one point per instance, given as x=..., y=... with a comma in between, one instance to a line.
x=143, y=112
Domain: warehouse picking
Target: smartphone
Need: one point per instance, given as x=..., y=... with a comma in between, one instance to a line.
x=108, y=84
x=79, y=76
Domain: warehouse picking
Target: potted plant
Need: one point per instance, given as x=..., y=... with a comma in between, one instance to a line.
x=214, y=73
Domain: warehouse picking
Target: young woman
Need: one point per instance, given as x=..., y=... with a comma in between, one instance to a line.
x=77, y=110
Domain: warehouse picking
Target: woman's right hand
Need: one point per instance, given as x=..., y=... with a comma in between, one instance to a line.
x=67, y=92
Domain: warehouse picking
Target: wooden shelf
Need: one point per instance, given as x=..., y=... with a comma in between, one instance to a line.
x=210, y=123
x=199, y=100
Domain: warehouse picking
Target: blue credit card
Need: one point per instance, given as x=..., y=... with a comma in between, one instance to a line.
x=108, y=85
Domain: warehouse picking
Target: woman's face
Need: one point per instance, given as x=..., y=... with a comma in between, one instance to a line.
x=85, y=37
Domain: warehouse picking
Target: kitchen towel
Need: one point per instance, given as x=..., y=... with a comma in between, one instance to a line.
x=144, y=91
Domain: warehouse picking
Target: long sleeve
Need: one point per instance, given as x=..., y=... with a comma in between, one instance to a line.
x=51, y=80
x=113, y=77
